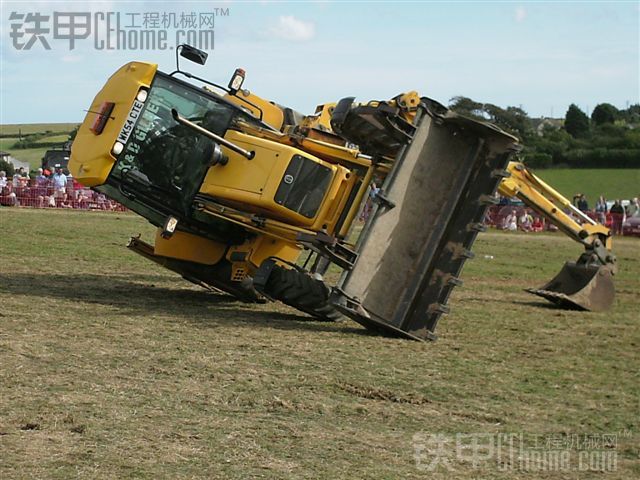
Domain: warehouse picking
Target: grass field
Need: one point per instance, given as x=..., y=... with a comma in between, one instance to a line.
x=27, y=128
x=115, y=368
x=613, y=183
x=61, y=138
x=7, y=143
x=59, y=133
x=31, y=155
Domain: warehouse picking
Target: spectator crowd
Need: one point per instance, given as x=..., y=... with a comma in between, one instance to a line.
x=622, y=217
x=55, y=189
x=51, y=189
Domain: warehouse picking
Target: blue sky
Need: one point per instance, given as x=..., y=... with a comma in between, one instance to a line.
x=540, y=55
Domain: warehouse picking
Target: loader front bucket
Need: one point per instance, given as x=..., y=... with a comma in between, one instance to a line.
x=583, y=287
x=415, y=242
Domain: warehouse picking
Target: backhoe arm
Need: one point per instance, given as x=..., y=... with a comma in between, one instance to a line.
x=587, y=282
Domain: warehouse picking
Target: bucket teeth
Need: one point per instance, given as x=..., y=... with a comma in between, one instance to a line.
x=500, y=174
x=477, y=227
x=439, y=308
x=558, y=298
x=488, y=200
x=547, y=294
x=468, y=254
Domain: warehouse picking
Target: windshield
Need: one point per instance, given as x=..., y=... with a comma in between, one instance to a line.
x=162, y=158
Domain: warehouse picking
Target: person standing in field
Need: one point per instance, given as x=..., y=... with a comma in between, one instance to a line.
x=59, y=180
x=601, y=209
x=16, y=179
x=617, y=217
x=634, y=208
x=583, y=205
x=41, y=188
x=41, y=179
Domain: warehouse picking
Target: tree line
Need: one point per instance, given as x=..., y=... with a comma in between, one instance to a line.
x=610, y=138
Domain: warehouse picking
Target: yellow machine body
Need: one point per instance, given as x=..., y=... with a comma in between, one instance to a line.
x=93, y=166
x=239, y=186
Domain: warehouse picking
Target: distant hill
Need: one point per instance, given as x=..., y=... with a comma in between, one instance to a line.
x=40, y=137
x=13, y=129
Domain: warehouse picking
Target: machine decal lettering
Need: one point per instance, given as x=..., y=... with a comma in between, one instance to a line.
x=127, y=128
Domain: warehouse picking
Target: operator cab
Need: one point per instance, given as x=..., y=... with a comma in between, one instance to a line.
x=163, y=158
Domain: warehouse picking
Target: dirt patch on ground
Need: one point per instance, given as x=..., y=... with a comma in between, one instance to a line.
x=372, y=393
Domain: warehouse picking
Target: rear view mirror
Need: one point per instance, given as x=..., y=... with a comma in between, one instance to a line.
x=193, y=54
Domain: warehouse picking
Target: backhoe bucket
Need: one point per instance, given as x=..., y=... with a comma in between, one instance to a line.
x=580, y=287
x=420, y=233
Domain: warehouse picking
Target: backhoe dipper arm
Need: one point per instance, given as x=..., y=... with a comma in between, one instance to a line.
x=546, y=201
x=581, y=283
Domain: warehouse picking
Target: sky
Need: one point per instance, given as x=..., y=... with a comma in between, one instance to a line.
x=541, y=56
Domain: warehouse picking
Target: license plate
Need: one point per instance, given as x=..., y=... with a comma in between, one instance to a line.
x=130, y=121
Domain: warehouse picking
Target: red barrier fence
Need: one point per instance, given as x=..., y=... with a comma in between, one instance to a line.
x=28, y=193
x=44, y=195
x=498, y=216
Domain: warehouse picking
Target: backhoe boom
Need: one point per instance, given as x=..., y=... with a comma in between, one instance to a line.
x=586, y=283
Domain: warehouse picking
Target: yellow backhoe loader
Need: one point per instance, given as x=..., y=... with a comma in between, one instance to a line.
x=239, y=187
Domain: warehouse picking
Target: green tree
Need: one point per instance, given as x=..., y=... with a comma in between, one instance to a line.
x=468, y=107
x=513, y=119
x=576, y=122
x=604, y=113
x=73, y=133
x=7, y=167
x=632, y=114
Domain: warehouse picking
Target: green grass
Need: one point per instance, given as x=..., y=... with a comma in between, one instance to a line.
x=27, y=128
x=115, y=368
x=62, y=138
x=612, y=183
x=6, y=144
x=33, y=155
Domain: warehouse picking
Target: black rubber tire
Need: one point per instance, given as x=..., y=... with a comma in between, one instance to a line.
x=301, y=291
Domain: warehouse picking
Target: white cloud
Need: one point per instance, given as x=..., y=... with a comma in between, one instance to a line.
x=521, y=14
x=292, y=29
